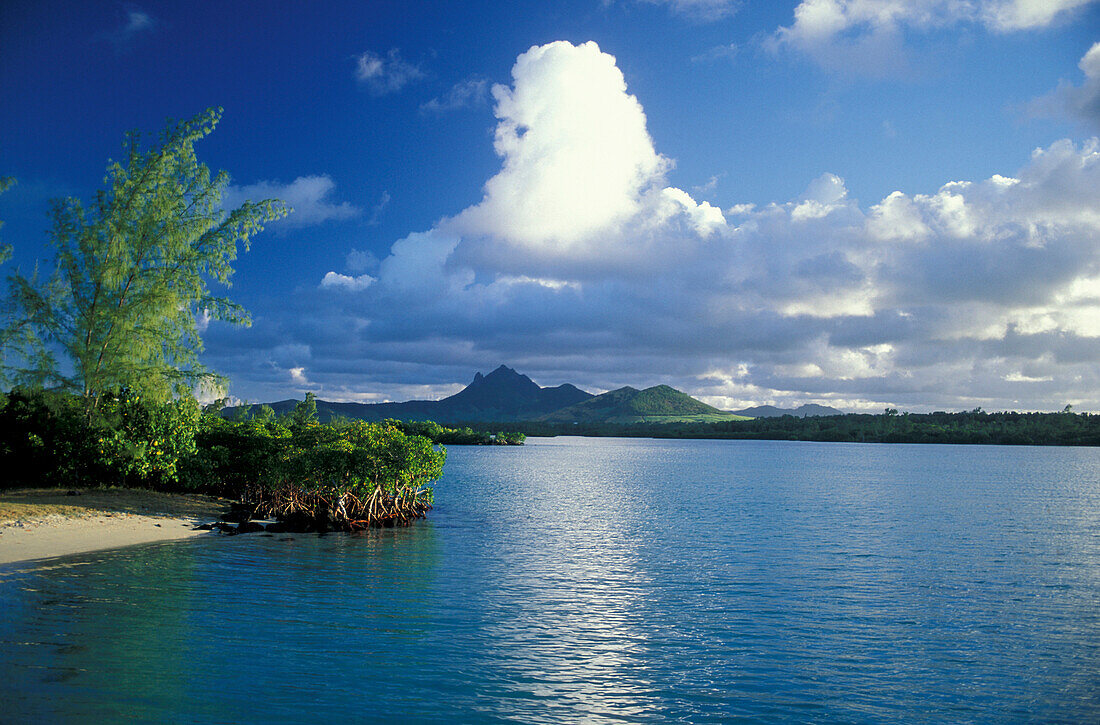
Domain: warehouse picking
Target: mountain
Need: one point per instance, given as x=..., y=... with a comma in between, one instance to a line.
x=502, y=395
x=505, y=394
x=802, y=411
x=659, y=404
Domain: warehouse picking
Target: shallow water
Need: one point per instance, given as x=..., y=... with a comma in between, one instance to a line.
x=607, y=580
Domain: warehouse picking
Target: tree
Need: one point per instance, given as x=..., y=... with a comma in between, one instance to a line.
x=6, y=182
x=17, y=339
x=133, y=271
x=304, y=413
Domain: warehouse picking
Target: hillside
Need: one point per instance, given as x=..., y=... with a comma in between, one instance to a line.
x=802, y=411
x=659, y=404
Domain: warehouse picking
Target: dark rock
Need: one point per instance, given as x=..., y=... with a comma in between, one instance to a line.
x=221, y=527
x=205, y=527
x=73, y=493
x=249, y=527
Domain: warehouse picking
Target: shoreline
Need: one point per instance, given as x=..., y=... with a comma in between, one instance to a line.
x=47, y=523
x=56, y=535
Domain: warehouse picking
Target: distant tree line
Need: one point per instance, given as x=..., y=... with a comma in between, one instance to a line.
x=975, y=427
x=465, y=436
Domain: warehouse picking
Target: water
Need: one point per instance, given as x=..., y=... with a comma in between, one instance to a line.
x=607, y=580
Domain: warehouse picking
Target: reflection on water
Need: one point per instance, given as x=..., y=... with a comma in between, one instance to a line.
x=588, y=580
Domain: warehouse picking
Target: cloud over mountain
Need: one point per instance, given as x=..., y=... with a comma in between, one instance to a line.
x=581, y=258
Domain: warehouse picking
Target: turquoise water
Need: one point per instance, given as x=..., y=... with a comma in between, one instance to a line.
x=606, y=580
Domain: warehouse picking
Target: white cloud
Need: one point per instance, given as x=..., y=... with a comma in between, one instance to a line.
x=576, y=153
x=306, y=195
x=470, y=92
x=866, y=36
x=386, y=74
x=1079, y=102
x=977, y=293
x=1008, y=15
x=203, y=320
x=335, y=280
x=896, y=218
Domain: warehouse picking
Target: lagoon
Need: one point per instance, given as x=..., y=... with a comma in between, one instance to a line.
x=579, y=579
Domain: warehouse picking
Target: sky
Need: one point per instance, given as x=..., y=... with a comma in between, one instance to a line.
x=856, y=203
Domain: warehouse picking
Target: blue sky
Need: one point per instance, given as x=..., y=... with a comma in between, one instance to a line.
x=858, y=203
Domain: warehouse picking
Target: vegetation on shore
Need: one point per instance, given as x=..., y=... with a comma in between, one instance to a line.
x=104, y=351
x=465, y=436
x=312, y=476
x=973, y=427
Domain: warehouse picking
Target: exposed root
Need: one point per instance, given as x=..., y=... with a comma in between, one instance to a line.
x=340, y=510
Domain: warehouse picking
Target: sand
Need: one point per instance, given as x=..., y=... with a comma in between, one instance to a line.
x=45, y=523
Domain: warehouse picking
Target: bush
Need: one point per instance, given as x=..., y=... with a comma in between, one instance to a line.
x=346, y=476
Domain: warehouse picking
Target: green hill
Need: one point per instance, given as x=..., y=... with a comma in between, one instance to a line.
x=659, y=404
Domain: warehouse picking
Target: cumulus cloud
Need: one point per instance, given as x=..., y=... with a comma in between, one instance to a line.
x=385, y=74
x=867, y=35
x=581, y=264
x=1079, y=102
x=470, y=92
x=308, y=196
x=335, y=280
x=577, y=158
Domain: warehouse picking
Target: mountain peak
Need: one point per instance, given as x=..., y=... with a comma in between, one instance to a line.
x=505, y=372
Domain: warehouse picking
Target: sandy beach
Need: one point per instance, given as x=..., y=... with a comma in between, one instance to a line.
x=45, y=523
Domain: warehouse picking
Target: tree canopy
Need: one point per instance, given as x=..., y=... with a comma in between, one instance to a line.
x=133, y=272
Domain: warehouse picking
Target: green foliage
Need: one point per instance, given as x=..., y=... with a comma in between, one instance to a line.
x=304, y=413
x=236, y=459
x=466, y=436
x=46, y=439
x=331, y=476
x=266, y=414
x=144, y=441
x=133, y=273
